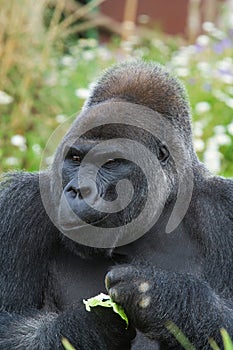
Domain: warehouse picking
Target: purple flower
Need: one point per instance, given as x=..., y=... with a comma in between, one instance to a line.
x=199, y=48
x=192, y=81
x=222, y=45
x=207, y=87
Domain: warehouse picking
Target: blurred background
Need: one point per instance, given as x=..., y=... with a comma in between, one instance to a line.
x=52, y=50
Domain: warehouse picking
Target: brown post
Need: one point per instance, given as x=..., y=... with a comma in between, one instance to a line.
x=129, y=20
x=194, y=19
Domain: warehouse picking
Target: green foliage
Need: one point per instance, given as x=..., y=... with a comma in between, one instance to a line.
x=184, y=341
x=228, y=344
x=44, y=79
x=104, y=300
x=66, y=344
x=181, y=338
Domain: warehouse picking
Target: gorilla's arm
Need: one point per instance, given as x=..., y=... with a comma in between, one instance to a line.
x=152, y=298
x=27, y=238
x=44, y=330
x=199, y=305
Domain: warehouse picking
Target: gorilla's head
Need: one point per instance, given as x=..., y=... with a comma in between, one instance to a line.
x=125, y=158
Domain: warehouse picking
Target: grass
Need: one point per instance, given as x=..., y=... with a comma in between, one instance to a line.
x=181, y=338
x=45, y=76
x=44, y=73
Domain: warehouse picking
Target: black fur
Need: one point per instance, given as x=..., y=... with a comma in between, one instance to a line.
x=184, y=276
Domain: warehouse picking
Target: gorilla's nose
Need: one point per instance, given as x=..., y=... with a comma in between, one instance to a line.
x=79, y=192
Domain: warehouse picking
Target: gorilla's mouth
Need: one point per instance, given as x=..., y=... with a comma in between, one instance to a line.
x=68, y=226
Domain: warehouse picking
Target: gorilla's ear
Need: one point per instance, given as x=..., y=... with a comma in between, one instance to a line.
x=163, y=154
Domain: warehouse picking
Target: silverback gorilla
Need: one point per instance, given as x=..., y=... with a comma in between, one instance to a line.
x=173, y=265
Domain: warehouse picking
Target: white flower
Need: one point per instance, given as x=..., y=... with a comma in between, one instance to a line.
x=225, y=64
x=141, y=52
x=229, y=19
x=223, y=97
x=212, y=145
x=202, y=107
x=36, y=149
x=12, y=161
x=180, y=59
x=89, y=55
x=87, y=43
x=203, y=40
x=159, y=45
x=230, y=90
x=226, y=78
x=104, y=53
x=5, y=99
x=199, y=145
x=60, y=118
x=49, y=160
x=230, y=128
x=219, y=129
x=182, y=72
x=135, y=40
x=198, y=128
x=212, y=159
x=68, y=61
x=218, y=34
x=82, y=93
x=19, y=141
x=208, y=27
x=222, y=139
x=51, y=80
x=203, y=66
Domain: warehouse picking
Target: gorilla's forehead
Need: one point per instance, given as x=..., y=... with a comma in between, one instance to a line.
x=103, y=115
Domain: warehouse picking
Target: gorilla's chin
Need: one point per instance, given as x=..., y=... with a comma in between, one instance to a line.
x=83, y=251
x=69, y=224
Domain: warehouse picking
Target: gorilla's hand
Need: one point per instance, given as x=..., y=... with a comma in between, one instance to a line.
x=138, y=291
x=152, y=298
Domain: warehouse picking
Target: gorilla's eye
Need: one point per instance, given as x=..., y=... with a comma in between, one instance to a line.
x=111, y=161
x=163, y=154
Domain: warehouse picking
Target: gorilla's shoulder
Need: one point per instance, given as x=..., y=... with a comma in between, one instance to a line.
x=221, y=190
x=17, y=187
x=222, y=185
x=17, y=177
x=20, y=199
x=13, y=182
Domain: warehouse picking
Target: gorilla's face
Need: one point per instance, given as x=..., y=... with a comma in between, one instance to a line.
x=110, y=174
x=89, y=198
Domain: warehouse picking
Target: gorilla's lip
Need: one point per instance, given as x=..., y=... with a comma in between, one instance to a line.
x=75, y=225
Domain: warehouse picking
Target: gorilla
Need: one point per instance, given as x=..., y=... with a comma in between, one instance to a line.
x=126, y=206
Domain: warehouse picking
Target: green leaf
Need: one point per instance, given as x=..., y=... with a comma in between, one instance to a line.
x=179, y=335
x=213, y=344
x=66, y=344
x=104, y=300
x=228, y=345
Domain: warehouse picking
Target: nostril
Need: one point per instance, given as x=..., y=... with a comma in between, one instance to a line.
x=73, y=191
x=84, y=192
x=81, y=193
